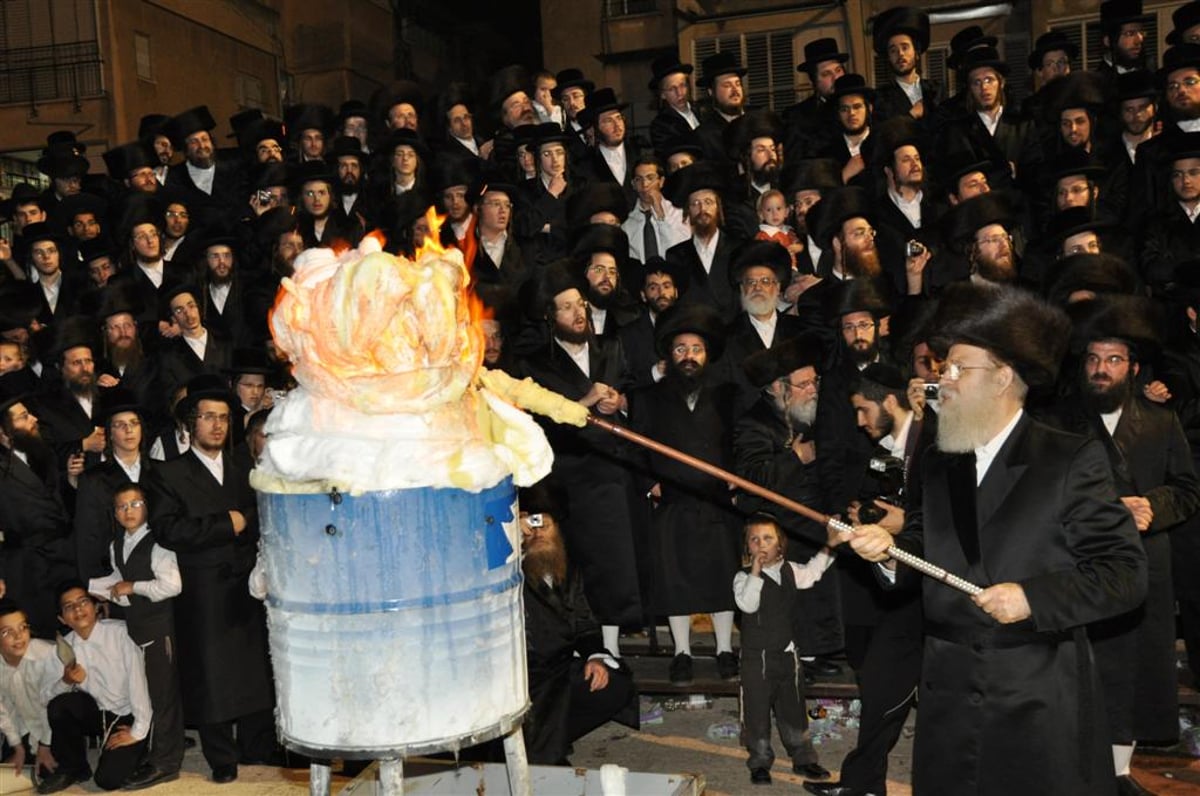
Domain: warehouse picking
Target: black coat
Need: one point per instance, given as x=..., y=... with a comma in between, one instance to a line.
x=594, y=467
x=1135, y=652
x=637, y=341
x=713, y=287
x=1045, y=517
x=94, y=515
x=741, y=341
x=891, y=101
x=695, y=534
x=668, y=126
x=180, y=363
x=534, y=209
x=222, y=631
x=1170, y=239
x=228, y=188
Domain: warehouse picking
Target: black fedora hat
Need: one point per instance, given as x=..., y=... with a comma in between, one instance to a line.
x=836, y=208
x=1052, y=41
x=120, y=299
x=206, y=387
x=852, y=84
x=602, y=238
x=346, y=146
x=1182, y=56
x=697, y=319
x=263, y=129
x=243, y=119
x=307, y=116
x=967, y=39
x=39, y=231
x=571, y=77
x=741, y=132
x=190, y=121
x=123, y=160
x=665, y=65
x=700, y=176
x=97, y=247
x=966, y=218
x=894, y=133
x=115, y=400
x=603, y=100
x=818, y=50
x=766, y=254
x=901, y=19
x=1076, y=220
x=1081, y=89
x=404, y=137
x=856, y=295
x=16, y=387
x=1180, y=145
x=62, y=161
x=548, y=133
x=76, y=331
x=722, y=63
x=492, y=179
x=449, y=170
x=778, y=361
x=23, y=193
x=679, y=274
x=504, y=83
x=66, y=138
x=351, y=109
x=684, y=142
x=981, y=58
x=593, y=198
x=1182, y=18
x=151, y=126
x=269, y=175
x=82, y=202
x=312, y=171
x=1071, y=162
x=399, y=92
x=1115, y=13
x=1136, y=84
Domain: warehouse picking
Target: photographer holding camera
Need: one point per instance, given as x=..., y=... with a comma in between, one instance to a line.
x=886, y=656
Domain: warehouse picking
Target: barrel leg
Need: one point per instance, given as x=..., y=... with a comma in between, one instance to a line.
x=318, y=779
x=391, y=777
x=517, y=764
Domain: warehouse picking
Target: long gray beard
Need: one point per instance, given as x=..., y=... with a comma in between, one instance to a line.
x=802, y=415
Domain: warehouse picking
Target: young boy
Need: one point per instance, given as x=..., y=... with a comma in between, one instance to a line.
x=145, y=579
x=772, y=679
x=108, y=697
x=29, y=676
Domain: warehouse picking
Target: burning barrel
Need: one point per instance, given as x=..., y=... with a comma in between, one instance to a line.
x=395, y=619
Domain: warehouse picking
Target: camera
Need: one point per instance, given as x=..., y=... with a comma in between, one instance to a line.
x=931, y=391
x=535, y=520
x=915, y=248
x=266, y=197
x=884, y=481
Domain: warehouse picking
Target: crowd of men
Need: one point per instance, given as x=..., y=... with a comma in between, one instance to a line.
x=766, y=291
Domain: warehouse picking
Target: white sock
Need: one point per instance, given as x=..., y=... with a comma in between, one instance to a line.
x=610, y=634
x=723, y=629
x=681, y=632
x=1122, y=757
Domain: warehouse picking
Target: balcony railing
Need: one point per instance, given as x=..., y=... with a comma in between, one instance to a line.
x=44, y=74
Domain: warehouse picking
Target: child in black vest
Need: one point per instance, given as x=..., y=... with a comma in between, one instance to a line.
x=145, y=579
x=772, y=677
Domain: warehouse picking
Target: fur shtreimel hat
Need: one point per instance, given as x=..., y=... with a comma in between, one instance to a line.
x=764, y=367
x=1019, y=328
x=697, y=319
x=1133, y=320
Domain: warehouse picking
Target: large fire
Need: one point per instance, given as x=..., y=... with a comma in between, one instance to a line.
x=382, y=333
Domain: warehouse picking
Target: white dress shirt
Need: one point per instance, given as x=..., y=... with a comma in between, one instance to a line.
x=214, y=464
x=495, y=247
x=116, y=672
x=616, y=160
x=579, y=357
x=708, y=250
x=166, y=583
x=220, y=294
x=668, y=230
x=203, y=178
x=765, y=329
x=198, y=344
x=153, y=271
x=985, y=454
x=747, y=590
x=26, y=689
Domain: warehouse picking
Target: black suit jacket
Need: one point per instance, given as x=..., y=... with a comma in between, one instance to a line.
x=1047, y=518
x=711, y=287
x=891, y=101
x=180, y=363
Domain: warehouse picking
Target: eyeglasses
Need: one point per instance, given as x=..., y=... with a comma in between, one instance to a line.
x=1187, y=82
x=1112, y=360
x=645, y=179
x=607, y=270
x=681, y=349
x=751, y=282
x=1191, y=174
x=13, y=632
x=131, y=504
x=183, y=308
x=1076, y=190
x=177, y=214
x=812, y=383
x=852, y=107
x=214, y=417
x=707, y=201
x=142, y=237
x=126, y=425
x=954, y=371
x=988, y=81
x=861, y=326
x=862, y=232
x=76, y=605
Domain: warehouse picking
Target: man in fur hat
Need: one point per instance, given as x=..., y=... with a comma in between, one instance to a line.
x=1152, y=466
x=1010, y=702
x=216, y=179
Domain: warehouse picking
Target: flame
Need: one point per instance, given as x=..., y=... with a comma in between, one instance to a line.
x=383, y=333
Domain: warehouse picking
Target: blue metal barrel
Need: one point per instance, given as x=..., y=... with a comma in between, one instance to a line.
x=395, y=619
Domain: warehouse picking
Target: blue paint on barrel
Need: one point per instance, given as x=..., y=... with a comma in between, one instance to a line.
x=395, y=618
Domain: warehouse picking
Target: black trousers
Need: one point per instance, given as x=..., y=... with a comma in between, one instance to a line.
x=773, y=682
x=562, y=721
x=887, y=663
x=74, y=717
x=253, y=742
x=162, y=680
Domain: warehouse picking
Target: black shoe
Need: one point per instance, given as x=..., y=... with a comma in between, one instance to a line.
x=823, y=667
x=727, y=666
x=831, y=789
x=224, y=774
x=148, y=776
x=680, y=672
x=63, y=779
x=1128, y=786
x=811, y=770
x=760, y=776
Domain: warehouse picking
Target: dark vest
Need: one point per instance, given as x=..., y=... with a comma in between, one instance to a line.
x=145, y=619
x=770, y=627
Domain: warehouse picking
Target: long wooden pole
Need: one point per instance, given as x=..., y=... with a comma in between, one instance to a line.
x=904, y=557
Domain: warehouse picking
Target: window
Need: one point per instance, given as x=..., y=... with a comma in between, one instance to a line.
x=141, y=56
x=1085, y=33
x=770, y=80
x=48, y=50
x=628, y=8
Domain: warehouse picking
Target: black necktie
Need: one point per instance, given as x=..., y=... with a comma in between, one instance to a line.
x=649, y=240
